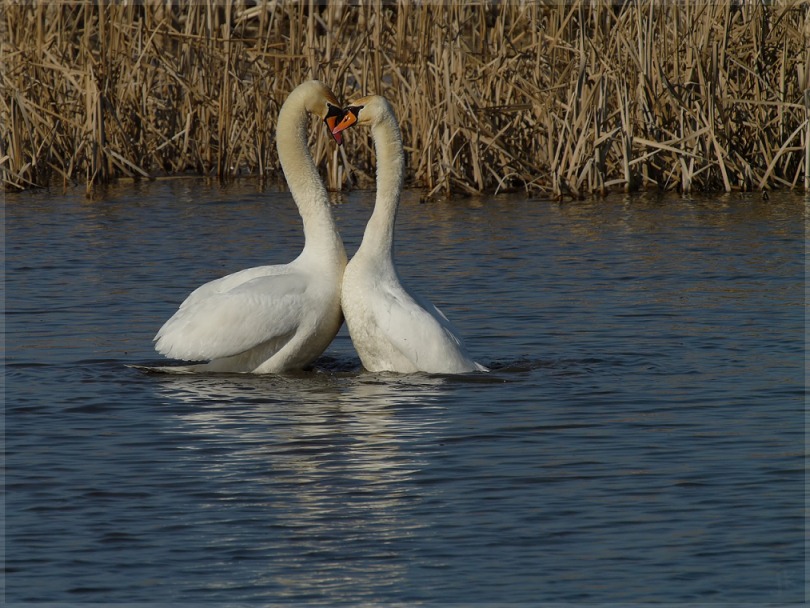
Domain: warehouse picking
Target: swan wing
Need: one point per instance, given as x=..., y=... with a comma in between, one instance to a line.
x=449, y=330
x=417, y=329
x=229, y=282
x=230, y=322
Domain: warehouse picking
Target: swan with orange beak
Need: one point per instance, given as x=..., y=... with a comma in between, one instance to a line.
x=392, y=328
x=274, y=318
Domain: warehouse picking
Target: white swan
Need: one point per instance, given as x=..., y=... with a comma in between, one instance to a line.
x=271, y=319
x=392, y=328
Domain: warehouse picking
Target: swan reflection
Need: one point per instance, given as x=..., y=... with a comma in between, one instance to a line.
x=329, y=458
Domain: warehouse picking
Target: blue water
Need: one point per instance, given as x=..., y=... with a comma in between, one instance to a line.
x=640, y=438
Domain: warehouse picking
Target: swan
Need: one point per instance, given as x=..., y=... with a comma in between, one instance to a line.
x=271, y=319
x=392, y=328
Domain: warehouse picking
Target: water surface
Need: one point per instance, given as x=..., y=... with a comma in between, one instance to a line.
x=640, y=438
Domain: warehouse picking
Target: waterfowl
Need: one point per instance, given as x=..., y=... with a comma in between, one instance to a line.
x=392, y=328
x=272, y=319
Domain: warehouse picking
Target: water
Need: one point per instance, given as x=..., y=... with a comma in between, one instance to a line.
x=640, y=438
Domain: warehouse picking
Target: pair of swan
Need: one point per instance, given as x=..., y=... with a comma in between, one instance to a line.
x=272, y=319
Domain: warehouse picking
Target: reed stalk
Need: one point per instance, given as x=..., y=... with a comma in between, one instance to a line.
x=556, y=98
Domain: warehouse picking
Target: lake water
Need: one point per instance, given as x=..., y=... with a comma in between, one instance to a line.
x=640, y=438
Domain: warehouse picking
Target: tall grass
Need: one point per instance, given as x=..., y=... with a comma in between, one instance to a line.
x=554, y=97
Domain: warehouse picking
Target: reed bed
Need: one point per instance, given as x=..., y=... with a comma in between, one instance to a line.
x=559, y=98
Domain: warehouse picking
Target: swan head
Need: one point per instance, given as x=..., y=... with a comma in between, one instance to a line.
x=364, y=111
x=318, y=99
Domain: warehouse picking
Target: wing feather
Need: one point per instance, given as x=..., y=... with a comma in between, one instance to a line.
x=417, y=329
x=224, y=323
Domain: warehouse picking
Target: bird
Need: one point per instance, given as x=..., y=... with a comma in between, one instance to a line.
x=392, y=328
x=279, y=318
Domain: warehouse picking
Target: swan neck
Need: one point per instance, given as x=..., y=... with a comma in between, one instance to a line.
x=306, y=187
x=390, y=176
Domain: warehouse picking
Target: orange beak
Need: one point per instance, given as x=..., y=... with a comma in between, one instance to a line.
x=333, y=115
x=331, y=122
x=349, y=118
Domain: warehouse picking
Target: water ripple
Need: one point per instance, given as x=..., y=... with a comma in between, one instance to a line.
x=640, y=437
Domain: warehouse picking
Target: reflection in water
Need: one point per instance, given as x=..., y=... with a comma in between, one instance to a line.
x=330, y=466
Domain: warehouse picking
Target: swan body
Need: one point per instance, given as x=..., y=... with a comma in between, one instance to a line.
x=272, y=319
x=392, y=328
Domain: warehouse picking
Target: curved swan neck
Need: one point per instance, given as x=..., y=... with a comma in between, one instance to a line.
x=308, y=191
x=379, y=233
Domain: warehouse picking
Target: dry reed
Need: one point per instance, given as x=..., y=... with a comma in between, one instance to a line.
x=555, y=97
